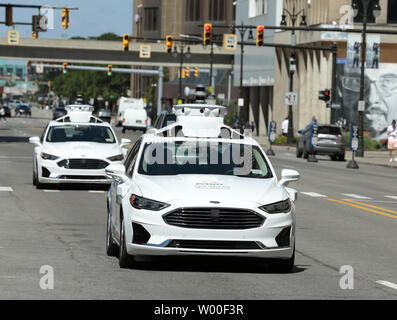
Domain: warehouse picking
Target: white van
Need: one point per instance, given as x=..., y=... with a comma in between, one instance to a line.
x=135, y=119
x=127, y=103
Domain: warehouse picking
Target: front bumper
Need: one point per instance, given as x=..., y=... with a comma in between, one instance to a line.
x=163, y=234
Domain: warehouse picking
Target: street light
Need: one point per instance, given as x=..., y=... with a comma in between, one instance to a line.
x=376, y=12
x=181, y=53
x=293, y=17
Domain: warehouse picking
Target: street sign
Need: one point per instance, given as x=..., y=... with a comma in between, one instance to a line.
x=361, y=106
x=291, y=98
x=241, y=102
x=314, y=134
x=354, y=138
x=39, y=68
x=13, y=37
x=145, y=51
x=230, y=42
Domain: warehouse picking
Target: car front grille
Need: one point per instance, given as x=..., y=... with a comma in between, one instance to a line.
x=214, y=218
x=214, y=245
x=90, y=164
x=69, y=177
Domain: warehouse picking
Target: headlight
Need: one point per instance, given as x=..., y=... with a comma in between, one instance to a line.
x=147, y=204
x=278, y=207
x=47, y=156
x=118, y=157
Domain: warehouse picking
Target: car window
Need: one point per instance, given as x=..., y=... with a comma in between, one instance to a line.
x=43, y=134
x=210, y=158
x=80, y=133
x=329, y=130
x=169, y=119
x=130, y=163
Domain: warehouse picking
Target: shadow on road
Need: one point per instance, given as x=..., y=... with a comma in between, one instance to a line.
x=77, y=187
x=210, y=264
x=11, y=139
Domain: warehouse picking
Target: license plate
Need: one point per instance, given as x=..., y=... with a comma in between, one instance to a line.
x=327, y=141
x=138, y=121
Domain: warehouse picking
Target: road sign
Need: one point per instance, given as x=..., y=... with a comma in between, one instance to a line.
x=354, y=138
x=13, y=37
x=291, y=98
x=241, y=102
x=230, y=42
x=39, y=68
x=145, y=51
x=361, y=105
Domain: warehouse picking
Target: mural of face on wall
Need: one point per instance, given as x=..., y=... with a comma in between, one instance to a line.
x=380, y=97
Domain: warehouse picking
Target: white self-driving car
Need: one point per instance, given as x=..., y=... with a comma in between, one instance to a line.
x=197, y=187
x=76, y=148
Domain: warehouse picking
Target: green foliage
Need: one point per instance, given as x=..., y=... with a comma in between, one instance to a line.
x=228, y=120
x=369, y=143
x=282, y=140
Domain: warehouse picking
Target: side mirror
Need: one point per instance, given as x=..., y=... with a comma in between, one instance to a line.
x=288, y=176
x=125, y=142
x=116, y=171
x=35, y=141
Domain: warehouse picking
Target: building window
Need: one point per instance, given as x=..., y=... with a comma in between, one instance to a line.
x=370, y=16
x=257, y=8
x=192, y=10
x=217, y=10
x=151, y=19
x=10, y=71
x=392, y=12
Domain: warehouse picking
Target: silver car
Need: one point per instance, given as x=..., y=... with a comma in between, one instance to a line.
x=331, y=142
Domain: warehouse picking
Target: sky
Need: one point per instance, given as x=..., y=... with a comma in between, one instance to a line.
x=93, y=18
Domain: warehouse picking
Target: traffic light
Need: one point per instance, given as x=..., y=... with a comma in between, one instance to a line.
x=187, y=72
x=325, y=95
x=65, y=18
x=126, y=41
x=259, y=36
x=183, y=75
x=49, y=84
x=9, y=21
x=65, y=68
x=168, y=43
x=196, y=72
x=207, y=34
x=109, y=70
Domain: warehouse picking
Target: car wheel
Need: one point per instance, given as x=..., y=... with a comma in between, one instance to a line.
x=341, y=157
x=284, y=265
x=298, y=152
x=111, y=247
x=34, y=178
x=305, y=154
x=334, y=157
x=125, y=260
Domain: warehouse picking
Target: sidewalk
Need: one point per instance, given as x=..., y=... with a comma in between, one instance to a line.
x=379, y=158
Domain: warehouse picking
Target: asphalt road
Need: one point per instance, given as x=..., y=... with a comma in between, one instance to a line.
x=65, y=229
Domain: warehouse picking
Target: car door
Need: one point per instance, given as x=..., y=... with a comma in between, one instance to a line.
x=119, y=189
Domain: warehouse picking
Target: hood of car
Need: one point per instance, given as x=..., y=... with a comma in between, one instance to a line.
x=208, y=188
x=87, y=150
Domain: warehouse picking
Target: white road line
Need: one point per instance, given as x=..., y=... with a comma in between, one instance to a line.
x=391, y=197
x=11, y=157
x=51, y=191
x=314, y=194
x=387, y=284
x=96, y=191
x=8, y=277
x=6, y=189
x=355, y=196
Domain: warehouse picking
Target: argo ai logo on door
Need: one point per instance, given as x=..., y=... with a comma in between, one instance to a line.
x=211, y=185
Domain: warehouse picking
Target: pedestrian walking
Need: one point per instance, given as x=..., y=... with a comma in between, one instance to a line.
x=392, y=140
x=252, y=126
x=3, y=114
x=284, y=127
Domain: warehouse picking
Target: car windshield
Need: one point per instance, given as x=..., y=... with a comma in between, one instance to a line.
x=329, y=130
x=77, y=133
x=212, y=158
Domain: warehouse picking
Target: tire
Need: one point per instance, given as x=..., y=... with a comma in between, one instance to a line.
x=298, y=152
x=334, y=157
x=125, y=260
x=341, y=157
x=34, y=179
x=111, y=247
x=305, y=154
x=123, y=130
x=284, y=265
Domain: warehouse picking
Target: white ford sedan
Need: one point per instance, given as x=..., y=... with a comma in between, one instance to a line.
x=197, y=187
x=76, y=149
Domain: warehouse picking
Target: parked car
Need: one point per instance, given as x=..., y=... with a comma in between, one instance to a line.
x=330, y=142
x=104, y=115
x=23, y=109
x=59, y=112
x=8, y=111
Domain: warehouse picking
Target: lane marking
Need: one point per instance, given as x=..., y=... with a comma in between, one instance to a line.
x=8, y=277
x=363, y=208
x=11, y=157
x=96, y=191
x=314, y=194
x=6, y=189
x=51, y=191
x=391, y=197
x=387, y=284
x=372, y=206
x=355, y=196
